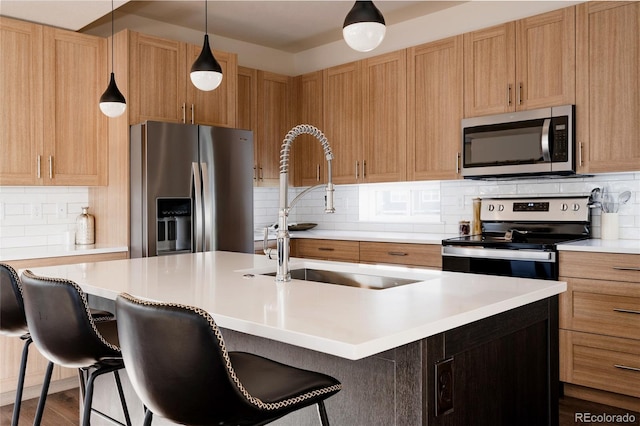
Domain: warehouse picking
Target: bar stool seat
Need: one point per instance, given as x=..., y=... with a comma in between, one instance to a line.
x=65, y=332
x=179, y=366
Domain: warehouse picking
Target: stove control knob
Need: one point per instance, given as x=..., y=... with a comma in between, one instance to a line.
x=576, y=207
x=500, y=208
x=491, y=207
x=564, y=207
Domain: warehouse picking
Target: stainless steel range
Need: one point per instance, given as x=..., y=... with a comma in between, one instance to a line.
x=519, y=237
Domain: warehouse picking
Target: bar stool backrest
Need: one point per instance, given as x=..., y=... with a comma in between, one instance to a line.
x=61, y=324
x=177, y=362
x=12, y=318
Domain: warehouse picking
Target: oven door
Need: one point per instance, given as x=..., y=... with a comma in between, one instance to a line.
x=538, y=264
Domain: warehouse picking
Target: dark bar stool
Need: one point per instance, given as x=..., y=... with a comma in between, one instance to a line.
x=179, y=366
x=65, y=332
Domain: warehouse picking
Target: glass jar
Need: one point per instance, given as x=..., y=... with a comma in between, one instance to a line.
x=85, y=228
x=464, y=227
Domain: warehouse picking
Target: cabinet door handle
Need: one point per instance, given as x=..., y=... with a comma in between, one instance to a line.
x=626, y=268
x=51, y=167
x=580, y=154
x=326, y=249
x=184, y=112
x=38, y=166
x=260, y=174
x=626, y=311
x=508, y=95
x=193, y=110
x=457, y=163
x=626, y=367
x=357, y=167
x=364, y=169
x=520, y=94
x=318, y=173
x=255, y=173
x=397, y=253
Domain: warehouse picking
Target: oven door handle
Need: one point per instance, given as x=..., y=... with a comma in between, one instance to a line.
x=485, y=253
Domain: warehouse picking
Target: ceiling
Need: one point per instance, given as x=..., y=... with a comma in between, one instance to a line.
x=290, y=26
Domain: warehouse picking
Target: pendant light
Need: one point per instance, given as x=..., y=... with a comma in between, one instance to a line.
x=206, y=72
x=364, y=26
x=112, y=102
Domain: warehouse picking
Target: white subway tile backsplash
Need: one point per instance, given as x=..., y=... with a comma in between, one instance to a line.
x=19, y=229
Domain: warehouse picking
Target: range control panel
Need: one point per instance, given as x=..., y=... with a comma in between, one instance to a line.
x=561, y=209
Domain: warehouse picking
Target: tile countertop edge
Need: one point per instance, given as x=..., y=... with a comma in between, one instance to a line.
x=42, y=252
x=603, y=246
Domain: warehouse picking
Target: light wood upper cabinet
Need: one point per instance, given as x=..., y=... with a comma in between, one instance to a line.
x=274, y=121
x=384, y=107
x=21, y=109
x=161, y=90
x=365, y=118
x=76, y=136
x=435, y=108
x=342, y=111
x=307, y=152
x=608, y=96
x=52, y=81
x=247, y=109
x=520, y=65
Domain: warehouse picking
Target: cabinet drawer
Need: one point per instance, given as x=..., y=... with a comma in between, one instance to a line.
x=347, y=251
x=601, y=362
x=603, y=307
x=401, y=253
x=600, y=266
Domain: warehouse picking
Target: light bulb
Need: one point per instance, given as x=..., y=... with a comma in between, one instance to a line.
x=364, y=36
x=206, y=80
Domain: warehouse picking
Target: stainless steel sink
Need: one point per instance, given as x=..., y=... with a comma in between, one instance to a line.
x=374, y=282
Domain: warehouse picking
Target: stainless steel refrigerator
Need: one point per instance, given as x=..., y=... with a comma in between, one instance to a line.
x=191, y=189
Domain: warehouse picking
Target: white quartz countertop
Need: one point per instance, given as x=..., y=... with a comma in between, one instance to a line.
x=344, y=321
x=603, y=246
x=40, y=252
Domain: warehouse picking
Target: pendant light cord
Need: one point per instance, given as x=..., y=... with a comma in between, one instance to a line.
x=206, y=16
x=112, y=36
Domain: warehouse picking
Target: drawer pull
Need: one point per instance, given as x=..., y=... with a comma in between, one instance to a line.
x=326, y=248
x=626, y=311
x=625, y=367
x=397, y=253
x=626, y=268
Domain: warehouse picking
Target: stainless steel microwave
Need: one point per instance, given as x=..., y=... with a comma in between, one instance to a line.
x=520, y=144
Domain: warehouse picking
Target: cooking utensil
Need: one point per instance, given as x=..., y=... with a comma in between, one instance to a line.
x=594, y=198
x=624, y=197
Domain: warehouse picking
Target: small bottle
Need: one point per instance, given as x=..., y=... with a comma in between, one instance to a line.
x=476, y=224
x=85, y=228
x=464, y=228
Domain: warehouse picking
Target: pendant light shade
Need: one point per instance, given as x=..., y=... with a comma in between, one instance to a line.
x=364, y=27
x=112, y=102
x=206, y=72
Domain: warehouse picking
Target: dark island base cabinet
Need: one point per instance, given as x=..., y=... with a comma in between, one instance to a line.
x=502, y=370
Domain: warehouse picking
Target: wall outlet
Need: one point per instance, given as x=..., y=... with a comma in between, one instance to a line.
x=36, y=211
x=61, y=210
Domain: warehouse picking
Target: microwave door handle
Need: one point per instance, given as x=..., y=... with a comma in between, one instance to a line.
x=544, y=140
x=196, y=189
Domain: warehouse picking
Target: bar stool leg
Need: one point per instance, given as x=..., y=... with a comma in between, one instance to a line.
x=122, y=400
x=147, y=418
x=322, y=412
x=43, y=395
x=23, y=369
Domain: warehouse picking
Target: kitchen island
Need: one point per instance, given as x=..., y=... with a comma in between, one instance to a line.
x=448, y=348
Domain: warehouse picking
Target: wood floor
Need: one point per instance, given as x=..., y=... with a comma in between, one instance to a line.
x=62, y=410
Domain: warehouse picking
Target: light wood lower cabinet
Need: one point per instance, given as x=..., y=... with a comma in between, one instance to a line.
x=11, y=347
x=600, y=327
x=427, y=255
x=406, y=254
x=339, y=250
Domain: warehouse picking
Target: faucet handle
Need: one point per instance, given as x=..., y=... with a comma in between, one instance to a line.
x=265, y=243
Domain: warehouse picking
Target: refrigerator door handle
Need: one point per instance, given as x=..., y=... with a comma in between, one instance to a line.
x=208, y=208
x=196, y=190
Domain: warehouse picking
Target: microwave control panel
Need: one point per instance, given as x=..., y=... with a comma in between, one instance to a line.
x=560, y=129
